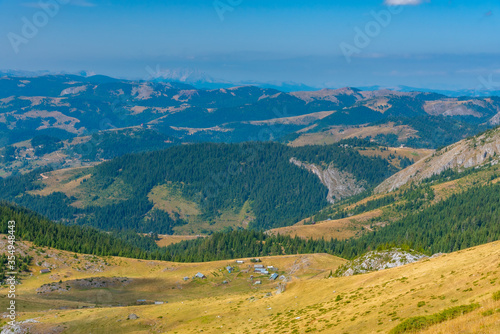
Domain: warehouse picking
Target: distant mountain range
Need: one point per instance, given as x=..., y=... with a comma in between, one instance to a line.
x=67, y=106
x=202, y=80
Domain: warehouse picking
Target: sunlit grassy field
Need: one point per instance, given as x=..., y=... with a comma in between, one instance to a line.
x=311, y=302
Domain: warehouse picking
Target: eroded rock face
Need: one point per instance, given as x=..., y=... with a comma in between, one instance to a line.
x=340, y=184
x=379, y=260
x=466, y=153
x=453, y=107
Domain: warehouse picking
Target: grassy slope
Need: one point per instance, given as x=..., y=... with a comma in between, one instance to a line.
x=338, y=229
x=337, y=133
x=166, y=240
x=356, y=225
x=165, y=197
x=370, y=303
x=403, y=152
x=64, y=156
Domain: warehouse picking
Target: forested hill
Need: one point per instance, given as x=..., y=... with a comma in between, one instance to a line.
x=464, y=220
x=43, y=232
x=218, y=178
x=223, y=177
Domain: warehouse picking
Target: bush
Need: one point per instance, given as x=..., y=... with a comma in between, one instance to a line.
x=496, y=296
x=422, y=322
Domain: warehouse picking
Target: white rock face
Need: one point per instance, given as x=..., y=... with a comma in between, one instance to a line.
x=143, y=92
x=375, y=261
x=340, y=184
x=73, y=90
x=21, y=327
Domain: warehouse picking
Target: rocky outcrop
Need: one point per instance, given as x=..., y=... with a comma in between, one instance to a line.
x=24, y=327
x=378, y=260
x=495, y=120
x=340, y=184
x=451, y=107
x=466, y=153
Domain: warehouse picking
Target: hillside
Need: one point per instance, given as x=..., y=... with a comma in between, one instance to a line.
x=467, y=167
x=77, y=113
x=448, y=213
x=196, y=188
x=49, y=151
x=87, y=300
x=471, y=152
x=417, y=131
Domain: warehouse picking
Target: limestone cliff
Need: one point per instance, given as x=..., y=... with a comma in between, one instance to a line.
x=340, y=184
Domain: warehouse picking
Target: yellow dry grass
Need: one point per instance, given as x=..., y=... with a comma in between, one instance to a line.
x=166, y=240
x=63, y=180
x=337, y=133
x=410, y=153
x=297, y=120
x=337, y=229
x=369, y=303
x=165, y=197
x=482, y=321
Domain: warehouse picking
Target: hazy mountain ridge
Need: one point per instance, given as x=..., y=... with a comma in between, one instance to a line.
x=71, y=105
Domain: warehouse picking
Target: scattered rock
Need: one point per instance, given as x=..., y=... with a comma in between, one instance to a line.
x=21, y=327
x=378, y=260
x=132, y=316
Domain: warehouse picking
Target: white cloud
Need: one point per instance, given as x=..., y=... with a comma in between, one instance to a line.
x=403, y=2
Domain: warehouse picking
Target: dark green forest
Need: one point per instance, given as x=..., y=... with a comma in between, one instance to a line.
x=43, y=232
x=461, y=221
x=464, y=220
x=218, y=177
x=433, y=131
x=112, y=144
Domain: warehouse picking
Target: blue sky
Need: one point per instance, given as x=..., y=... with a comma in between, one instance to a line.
x=434, y=43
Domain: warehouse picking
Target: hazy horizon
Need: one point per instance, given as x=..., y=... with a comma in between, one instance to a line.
x=424, y=44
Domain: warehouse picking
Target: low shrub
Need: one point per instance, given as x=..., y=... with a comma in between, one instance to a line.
x=422, y=322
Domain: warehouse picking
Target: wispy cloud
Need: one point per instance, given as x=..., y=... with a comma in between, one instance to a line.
x=404, y=2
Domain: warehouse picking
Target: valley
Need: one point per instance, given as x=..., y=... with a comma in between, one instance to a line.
x=80, y=121
x=249, y=167
x=151, y=228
